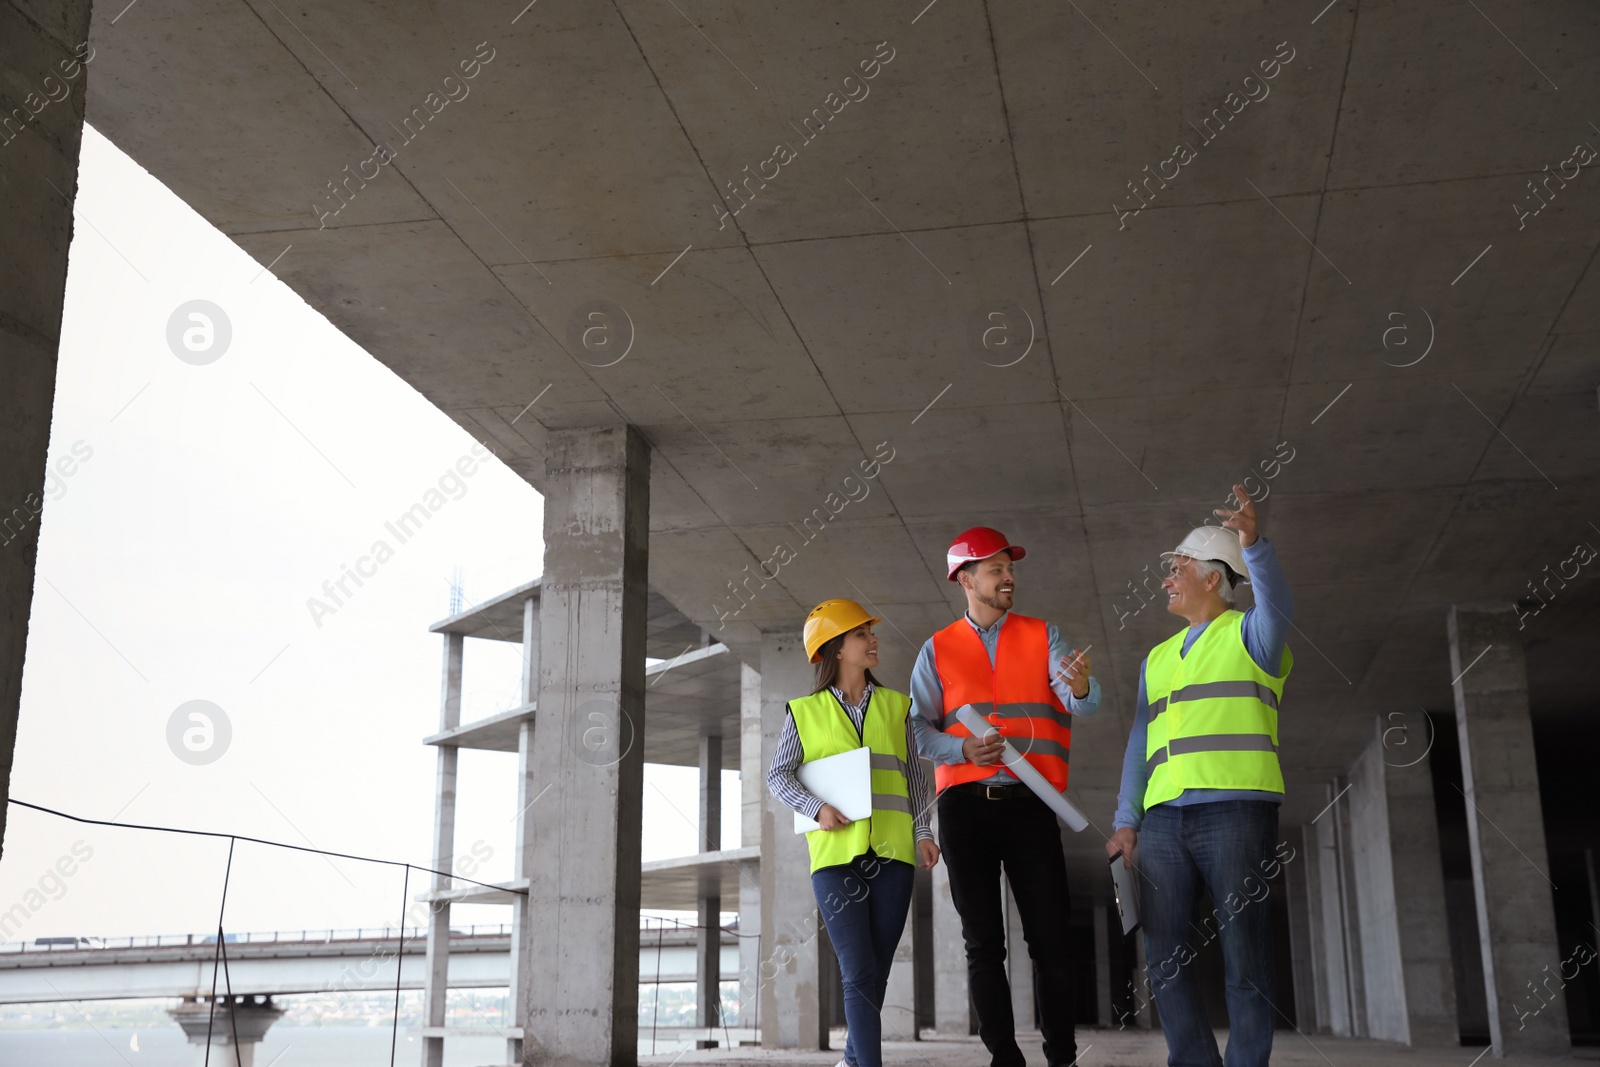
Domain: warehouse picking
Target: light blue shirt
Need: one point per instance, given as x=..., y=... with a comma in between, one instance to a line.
x=927, y=696
x=1266, y=632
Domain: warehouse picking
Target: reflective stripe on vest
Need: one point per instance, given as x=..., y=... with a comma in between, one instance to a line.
x=1213, y=715
x=1015, y=689
x=1200, y=690
x=826, y=730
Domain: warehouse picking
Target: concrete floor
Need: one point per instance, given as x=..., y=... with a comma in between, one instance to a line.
x=1123, y=1048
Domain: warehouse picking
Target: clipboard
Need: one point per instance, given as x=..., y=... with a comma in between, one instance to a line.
x=843, y=780
x=1124, y=895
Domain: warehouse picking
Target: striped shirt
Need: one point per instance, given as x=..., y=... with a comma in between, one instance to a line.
x=784, y=785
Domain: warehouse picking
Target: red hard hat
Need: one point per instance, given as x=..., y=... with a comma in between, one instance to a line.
x=980, y=542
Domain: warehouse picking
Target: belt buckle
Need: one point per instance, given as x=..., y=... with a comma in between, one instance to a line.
x=990, y=794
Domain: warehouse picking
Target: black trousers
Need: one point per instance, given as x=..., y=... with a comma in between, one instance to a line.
x=978, y=837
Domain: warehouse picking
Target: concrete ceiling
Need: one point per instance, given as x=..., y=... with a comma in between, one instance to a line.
x=1262, y=298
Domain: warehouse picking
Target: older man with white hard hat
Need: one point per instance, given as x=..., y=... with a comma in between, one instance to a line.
x=1201, y=786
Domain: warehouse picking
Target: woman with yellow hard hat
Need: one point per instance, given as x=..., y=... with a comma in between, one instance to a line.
x=861, y=871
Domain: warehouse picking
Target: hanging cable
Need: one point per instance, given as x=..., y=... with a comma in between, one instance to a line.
x=233, y=1010
x=222, y=910
x=257, y=841
x=399, y=966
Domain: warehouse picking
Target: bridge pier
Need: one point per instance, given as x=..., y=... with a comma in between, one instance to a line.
x=244, y=1021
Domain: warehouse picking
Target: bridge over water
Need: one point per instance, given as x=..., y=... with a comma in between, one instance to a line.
x=277, y=963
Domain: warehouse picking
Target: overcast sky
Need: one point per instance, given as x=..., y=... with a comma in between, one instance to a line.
x=195, y=508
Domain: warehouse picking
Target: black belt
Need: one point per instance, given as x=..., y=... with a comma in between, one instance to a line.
x=994, y=792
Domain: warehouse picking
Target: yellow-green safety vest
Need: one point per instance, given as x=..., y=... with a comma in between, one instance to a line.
x=826, y=730
x=1213, y=714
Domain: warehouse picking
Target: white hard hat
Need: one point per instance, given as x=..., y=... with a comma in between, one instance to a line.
x=1213, y=543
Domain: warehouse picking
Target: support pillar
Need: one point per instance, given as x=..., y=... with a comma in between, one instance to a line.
x=1510, y=864
x=752, y=805
x=792, y=954
x=522, y=916
x=244, y=1021
x=708, y=956
x=1019, y=965
x=444, y=846
x=1354, y=918
x=1144, y=1001
x=36, y=42
x=582, y=998
x=952, y=1007
x=1102, y=961
x=1305, y=961
x=1326, y=877
x=899, y=1014
x=1407, y=982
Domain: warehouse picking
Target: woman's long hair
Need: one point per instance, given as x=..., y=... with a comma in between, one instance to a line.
x=828, y=668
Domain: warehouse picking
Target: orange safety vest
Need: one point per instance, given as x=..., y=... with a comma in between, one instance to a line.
x=1016, y=688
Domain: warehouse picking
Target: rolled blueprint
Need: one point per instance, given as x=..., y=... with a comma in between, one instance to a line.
x=1018, y=765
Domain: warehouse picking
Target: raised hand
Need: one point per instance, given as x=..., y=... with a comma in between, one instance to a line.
x=1075, y=667
x=1243, y=520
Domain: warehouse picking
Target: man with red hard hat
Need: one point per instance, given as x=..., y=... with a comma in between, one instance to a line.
x=1021, y=675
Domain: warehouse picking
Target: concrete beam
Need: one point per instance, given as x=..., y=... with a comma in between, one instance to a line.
x=39, y=171
x=588, y=752
x=1510, y=864
x=793, y=957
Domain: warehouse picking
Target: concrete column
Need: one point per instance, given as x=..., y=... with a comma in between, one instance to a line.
x=1354, y=967
x=235, y=1029
x=900, y=999
x=444, y=847
x=1102, y=961
x=1510, y=865
x=36, y=41
x=1408, y=986
x=1019, y=965
x=582, y=998
x=752, y=804
x=952, y=1007
x=792, y=955
x=920, y=922
x=708, y=958
x=1325, y=875
x=522, y=855
x=1298, y=877
x=1144, y=1002
x=529, y=692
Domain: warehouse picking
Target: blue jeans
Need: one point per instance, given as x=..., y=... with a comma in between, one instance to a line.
x=1225, y=848
x=864, y=905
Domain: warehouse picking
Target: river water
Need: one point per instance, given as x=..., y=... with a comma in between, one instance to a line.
x=284, y=1046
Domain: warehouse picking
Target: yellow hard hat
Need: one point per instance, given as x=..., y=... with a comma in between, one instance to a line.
x=831, y=618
